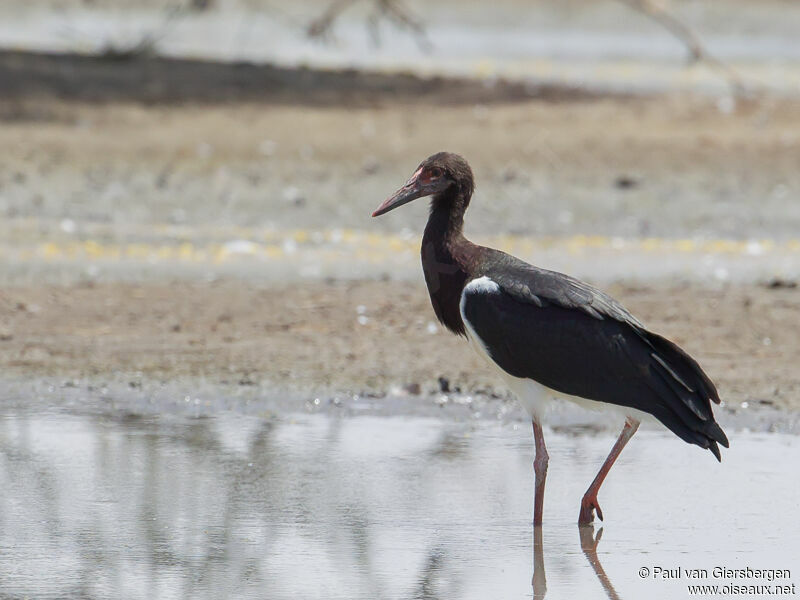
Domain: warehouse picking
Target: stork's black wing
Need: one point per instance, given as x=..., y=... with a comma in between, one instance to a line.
x=575, y=339
x=542, y=288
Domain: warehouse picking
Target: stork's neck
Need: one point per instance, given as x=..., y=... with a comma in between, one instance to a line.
x=446, y=221
x=447, y=257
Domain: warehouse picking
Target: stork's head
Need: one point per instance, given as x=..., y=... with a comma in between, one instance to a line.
x=436, y=174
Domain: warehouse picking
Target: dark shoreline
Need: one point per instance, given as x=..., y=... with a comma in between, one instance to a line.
x=117, y=77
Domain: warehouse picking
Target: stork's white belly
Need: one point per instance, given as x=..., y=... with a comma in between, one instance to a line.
x=533, y=396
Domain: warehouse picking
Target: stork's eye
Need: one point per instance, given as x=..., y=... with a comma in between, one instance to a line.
x=428, y=175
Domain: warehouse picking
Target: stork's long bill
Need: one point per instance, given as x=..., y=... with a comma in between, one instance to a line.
x=421, y=183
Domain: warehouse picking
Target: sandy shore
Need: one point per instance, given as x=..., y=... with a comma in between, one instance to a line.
x=357, y=337
x=638, y=167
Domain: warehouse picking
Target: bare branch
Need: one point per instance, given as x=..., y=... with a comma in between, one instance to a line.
x=697, y=50
x=398, y=12
x=320, y=27
x=671, y=23
x=391, y=10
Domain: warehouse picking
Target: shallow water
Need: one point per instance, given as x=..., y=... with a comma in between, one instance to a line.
x=236, y=506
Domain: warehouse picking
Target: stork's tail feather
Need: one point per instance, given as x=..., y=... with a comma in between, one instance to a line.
x=715, y=449
x=686, y=393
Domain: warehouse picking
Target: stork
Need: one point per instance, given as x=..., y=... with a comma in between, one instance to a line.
x=550, y=335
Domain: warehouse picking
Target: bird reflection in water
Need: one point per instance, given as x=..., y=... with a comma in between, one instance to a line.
x=539, y=580
x=589, y=543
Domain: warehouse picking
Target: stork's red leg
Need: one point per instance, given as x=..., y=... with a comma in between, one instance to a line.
x=589, y=503
x=540, y=471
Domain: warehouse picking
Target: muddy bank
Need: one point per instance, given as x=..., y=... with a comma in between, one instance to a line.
x=357, y=337
x=85, y=185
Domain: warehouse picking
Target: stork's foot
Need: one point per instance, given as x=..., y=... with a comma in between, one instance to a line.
x=589, y=504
